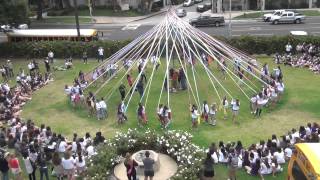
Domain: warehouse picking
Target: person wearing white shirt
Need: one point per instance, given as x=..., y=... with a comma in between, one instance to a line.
x=223, y=156
x=62, y=146
x=235, y=109
x=50, y=56
x=288, y=153
x=225, y=105
x=205, y=110
x=279, y=155
x=100, y=54
x=194, y=116
x=68, y=165
x=80, y=164
x=103, y=108
x=288, y=48
x=265, y=167
x=90, y=150
x=98, y=109
x=29, y=169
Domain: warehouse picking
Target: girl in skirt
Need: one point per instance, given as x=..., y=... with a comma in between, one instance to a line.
x=225, y=106
x=194, y=116
x=235, y=109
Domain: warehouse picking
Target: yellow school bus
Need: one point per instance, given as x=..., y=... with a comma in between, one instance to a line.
x=305, y=162
x=17, y=35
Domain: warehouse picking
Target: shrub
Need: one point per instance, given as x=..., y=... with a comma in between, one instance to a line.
x=248, y=44
x=61, y=49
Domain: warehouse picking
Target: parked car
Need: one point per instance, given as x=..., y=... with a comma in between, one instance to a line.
x=181, y=12
x=287, y=17
x=208, y=5
x=207, y=20
x=23, y=26
x=266, y=17
x=198, y=1
x=201, y=8
x=188, y=3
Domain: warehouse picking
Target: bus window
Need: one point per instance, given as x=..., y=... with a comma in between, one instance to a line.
x=297, y=173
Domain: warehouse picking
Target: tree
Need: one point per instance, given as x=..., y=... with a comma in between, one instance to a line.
x=14, y=12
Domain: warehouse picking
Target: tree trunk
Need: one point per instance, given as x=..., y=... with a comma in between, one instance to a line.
x=39, y=9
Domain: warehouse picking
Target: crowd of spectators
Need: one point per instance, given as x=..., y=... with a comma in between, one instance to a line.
x=305, y=56
x=265, y=157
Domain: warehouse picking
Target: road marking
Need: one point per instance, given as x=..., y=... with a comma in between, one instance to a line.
x=130, y=27
x=261, y=34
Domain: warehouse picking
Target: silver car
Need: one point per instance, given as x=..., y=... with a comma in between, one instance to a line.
x=181, y=12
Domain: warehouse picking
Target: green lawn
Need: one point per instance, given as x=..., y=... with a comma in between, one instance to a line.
x=310, y=12
x=62, y=20
x=250, y=15
x=298, y=106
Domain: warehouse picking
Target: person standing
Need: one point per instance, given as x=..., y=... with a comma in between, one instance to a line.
x=122, y=90
x=288, y=48
x=57, y=166
x=233, y=164
x=100, y=54
x=121, y=110
x=194, y=116
x=235, y=109
x=14, y=165
x=47, y=64
x=51, y=56
x=4, y=167
x=43, y=168
x=68, y=165
x=205, y=111
x=225, y=106
x=85, y=57
x=140, y=88
x=142, y=117
x=30, y=168
x=103, y=109
x=130, y=166
x=10, y=68
x=212, y=114
x=208, y=171
x=148, y=166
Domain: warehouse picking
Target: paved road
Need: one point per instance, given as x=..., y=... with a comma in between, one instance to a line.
x=252, y=27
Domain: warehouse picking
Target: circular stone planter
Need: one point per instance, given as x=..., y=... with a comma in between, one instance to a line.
x=167, y=166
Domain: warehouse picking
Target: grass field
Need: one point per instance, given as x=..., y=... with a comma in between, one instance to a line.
x=298, y=106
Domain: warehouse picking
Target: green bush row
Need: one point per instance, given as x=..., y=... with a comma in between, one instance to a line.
x=62, y=49
x=268, y=45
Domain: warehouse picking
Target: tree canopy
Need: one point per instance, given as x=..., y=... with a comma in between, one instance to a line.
x=14, y=12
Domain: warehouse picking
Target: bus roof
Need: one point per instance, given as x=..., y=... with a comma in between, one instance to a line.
x=312, y=152
x=51, y=33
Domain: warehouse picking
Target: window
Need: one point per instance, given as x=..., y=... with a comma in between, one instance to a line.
x=297, y=173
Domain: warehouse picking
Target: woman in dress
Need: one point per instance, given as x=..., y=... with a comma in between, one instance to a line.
x=208, y=171
x=142, y=118
x=57, y=166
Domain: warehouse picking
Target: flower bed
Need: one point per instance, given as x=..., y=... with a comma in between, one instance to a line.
x=176, y=144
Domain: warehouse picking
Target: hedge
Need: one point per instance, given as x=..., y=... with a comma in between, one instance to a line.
x=62, y=49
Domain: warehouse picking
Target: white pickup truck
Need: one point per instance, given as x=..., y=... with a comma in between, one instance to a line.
x=266, y=17
x=287, y=17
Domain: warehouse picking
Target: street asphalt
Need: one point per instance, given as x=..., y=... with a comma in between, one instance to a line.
x=241, y=27
x=238, y=27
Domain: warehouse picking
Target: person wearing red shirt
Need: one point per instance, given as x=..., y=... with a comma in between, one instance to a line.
x=14, y=165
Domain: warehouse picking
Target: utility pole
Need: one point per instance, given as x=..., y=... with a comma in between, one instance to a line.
x=230, y=33
x=77, y=17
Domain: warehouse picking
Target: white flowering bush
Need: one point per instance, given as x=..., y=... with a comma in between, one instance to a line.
x=176, y=144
